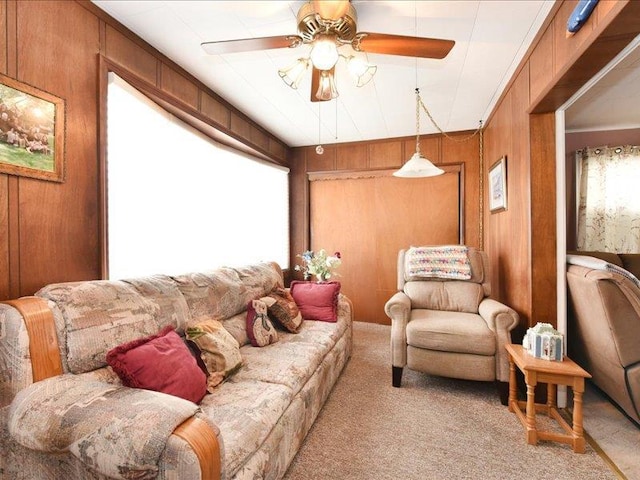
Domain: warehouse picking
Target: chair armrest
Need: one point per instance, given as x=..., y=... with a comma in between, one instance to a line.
x=501, y=320
x=114, y=430
x=398, y=309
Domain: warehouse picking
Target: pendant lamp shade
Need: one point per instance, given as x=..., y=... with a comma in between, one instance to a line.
x=418, y=166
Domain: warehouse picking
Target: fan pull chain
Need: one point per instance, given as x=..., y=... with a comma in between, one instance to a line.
x=319, y=148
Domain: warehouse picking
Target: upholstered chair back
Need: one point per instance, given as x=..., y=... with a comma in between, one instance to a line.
x=449, y=294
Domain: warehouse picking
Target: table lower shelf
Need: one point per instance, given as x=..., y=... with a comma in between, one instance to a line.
x=570, y=437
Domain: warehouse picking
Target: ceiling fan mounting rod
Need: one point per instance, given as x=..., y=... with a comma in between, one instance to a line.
x=310, y=23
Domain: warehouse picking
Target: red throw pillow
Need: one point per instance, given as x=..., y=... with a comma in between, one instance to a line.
x=316, y=301
x=162, y=363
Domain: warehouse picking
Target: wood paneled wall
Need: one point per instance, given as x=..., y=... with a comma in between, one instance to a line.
x=377, y=155
x=521, y=242
x=50, y=232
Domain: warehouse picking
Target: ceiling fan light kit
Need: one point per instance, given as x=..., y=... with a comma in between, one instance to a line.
x=327, y=86
x=293, y=74
x=362, y=71
x=327, y=25
x=324, y=54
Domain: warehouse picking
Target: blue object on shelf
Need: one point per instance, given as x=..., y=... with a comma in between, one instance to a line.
x=580, y=14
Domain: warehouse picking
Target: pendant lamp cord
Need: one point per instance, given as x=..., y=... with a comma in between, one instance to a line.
x=418, y=121
x=479, y=132
x=453, y=139
x=481, y=202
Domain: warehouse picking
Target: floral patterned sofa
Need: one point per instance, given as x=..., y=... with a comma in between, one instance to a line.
x=64, y=413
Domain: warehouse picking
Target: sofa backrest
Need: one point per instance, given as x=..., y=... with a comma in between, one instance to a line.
x=628, y=261
x=447, y=294
x=93, y=317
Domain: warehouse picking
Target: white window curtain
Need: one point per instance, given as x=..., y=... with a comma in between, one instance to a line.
x=179, y=202
x=609, y=202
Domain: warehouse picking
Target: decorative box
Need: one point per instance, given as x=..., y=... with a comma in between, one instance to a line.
x=543, y=341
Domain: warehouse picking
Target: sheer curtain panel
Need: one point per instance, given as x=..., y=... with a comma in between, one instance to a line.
x=609, y=199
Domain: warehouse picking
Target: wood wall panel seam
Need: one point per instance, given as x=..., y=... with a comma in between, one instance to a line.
x=43, y=340
x=12, y=38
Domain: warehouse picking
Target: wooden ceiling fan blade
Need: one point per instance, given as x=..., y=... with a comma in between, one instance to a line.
x=251, y=44
x=402, y=45
x=331, y=9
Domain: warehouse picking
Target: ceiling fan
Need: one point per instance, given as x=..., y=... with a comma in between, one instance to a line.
x=327, y=25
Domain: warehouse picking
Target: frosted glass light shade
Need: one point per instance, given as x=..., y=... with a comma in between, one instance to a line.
x=324, y=54
x=361, y=70
x=326, y=87
x=292, y=75
x=418, y=166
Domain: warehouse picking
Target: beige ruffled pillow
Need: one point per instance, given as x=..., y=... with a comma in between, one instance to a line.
x=219, y=351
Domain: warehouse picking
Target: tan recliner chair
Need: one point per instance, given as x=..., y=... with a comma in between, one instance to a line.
x=603, y=334
x=449, y=327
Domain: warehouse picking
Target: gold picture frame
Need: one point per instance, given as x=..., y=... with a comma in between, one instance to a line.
x=31, y=131
x=498, y=186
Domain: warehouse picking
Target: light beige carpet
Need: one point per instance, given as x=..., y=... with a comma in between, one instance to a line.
x=430, y=428
x=616, y=435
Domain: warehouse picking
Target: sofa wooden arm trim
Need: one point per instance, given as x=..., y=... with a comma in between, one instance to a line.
x=202, y=439
x=43, y=340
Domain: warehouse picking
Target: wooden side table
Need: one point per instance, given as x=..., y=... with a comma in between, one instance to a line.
x=552, y=373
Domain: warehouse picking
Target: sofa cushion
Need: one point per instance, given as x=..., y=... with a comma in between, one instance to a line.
x=99, y=315
x=160, y=362
x=218, y=350
x=245, y=412
x=283, y=309
x=225, y=292
x=119, y=432
x=259, y=328
x=435, y=330
x=452, y=295
x=317, y=301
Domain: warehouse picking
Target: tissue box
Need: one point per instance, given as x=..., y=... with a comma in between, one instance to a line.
x=543, y=341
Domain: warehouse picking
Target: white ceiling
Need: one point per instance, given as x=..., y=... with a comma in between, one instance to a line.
x=491, y=38
x=613, y=101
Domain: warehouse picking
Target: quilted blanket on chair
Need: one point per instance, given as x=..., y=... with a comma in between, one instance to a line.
x=450, y=262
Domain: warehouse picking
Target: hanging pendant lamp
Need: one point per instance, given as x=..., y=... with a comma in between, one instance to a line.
x=418, y=166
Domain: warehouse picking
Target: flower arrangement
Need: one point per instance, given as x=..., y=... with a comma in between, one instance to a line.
x=320, y=264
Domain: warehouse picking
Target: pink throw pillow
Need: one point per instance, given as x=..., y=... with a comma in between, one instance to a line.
x=316, y=301
x=162, y=363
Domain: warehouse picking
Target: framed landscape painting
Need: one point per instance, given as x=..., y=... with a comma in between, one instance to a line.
x=31, y=131
x=498, y=186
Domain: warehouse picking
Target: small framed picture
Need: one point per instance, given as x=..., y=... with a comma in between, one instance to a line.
x=498, y=186
x=31, y=131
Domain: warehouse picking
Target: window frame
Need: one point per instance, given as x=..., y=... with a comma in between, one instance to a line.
x=191, y=116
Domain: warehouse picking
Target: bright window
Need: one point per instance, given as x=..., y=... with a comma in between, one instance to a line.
x=608, y=203
x=179, y=202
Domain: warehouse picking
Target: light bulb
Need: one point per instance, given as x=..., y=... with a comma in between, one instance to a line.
x=324, y=54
